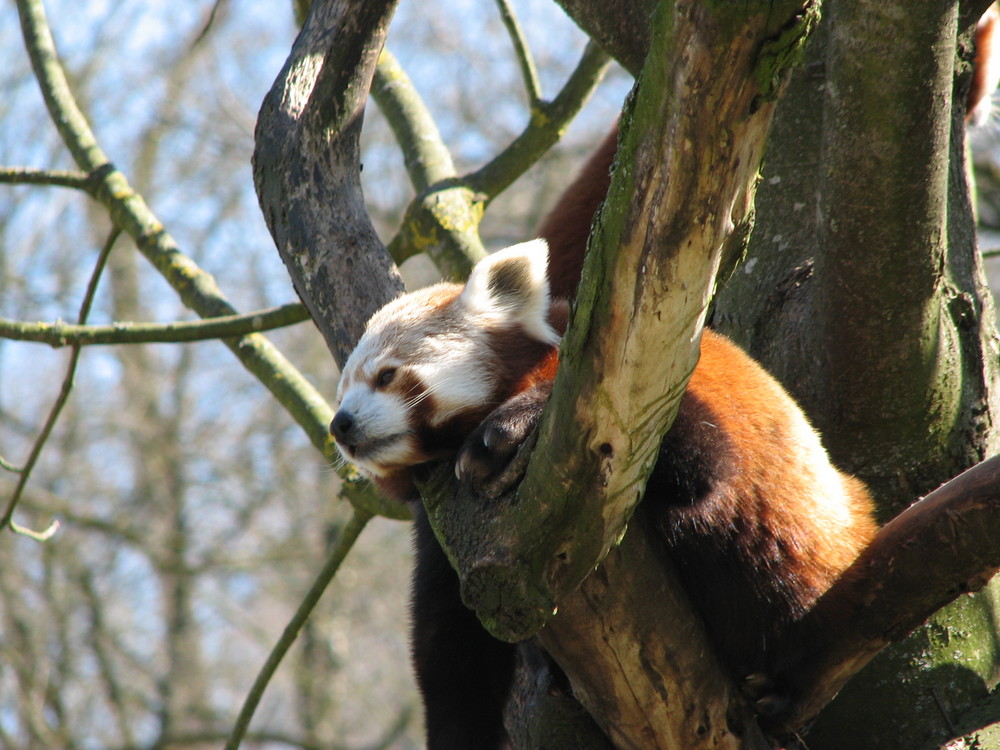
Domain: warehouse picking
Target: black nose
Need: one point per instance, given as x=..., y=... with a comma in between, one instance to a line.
x=342, y=426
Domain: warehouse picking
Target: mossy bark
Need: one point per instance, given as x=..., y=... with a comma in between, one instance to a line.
x=685, y=182
x=863, y=293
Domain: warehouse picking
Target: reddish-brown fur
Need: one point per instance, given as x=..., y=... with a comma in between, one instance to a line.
x=985, y=68
x=772, y=532
x=567, y=226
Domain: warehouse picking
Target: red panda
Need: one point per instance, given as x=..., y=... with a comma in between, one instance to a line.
x=749, y=508
x=986, y=67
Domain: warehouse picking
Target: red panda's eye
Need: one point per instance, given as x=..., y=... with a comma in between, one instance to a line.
x=385, y=377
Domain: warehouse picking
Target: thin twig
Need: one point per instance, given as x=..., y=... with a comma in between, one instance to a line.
x=60, y=334
x=32, y=176
x=548, y=121
x=528, y=70
x=57, y=407
x=347, y=538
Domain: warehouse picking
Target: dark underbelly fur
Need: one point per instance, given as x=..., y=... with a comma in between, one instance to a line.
x=732, y=574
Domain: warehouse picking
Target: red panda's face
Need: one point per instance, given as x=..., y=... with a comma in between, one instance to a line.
x=428, y=369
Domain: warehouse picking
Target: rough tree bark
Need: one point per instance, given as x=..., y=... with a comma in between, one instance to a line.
x=837, y=241
x=307, y=169
x=690, y=167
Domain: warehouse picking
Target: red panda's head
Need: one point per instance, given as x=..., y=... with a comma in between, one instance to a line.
x=433, y=363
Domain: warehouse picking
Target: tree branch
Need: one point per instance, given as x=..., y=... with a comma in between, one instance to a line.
x=889, y=321
x=687, y=170
x=529, y=73
x=548, y=121
x=344, y=544
x=58, y=178
x=425, y=156
x=443, y=219
x=67, y=386
x=941, y=547
x=307, y=169
x=623, y=34
x=60, y=334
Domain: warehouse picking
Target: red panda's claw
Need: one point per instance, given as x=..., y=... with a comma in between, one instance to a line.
x=487, y=453
x=766, y=697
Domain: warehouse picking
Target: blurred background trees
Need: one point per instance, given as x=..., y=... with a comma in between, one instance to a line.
x=193, y=510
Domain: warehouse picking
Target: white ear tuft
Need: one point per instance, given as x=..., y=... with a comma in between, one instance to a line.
x=512, y=286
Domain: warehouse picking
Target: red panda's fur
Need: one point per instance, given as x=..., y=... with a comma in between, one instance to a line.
x=985, y=68
x=567, y=226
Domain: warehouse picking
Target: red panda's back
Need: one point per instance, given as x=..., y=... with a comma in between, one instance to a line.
x=754, y=516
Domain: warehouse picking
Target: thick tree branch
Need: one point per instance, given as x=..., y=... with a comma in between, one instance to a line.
x=690, y=170
x=623, y=34
x=307, y=169
x=941, y=547
x=686, y=176
x=890, y=319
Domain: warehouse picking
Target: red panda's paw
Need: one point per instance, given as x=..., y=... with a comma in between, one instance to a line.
x=488, y=452
x=769, y=699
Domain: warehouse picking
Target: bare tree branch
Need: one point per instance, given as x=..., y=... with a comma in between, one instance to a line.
x=59, y=178
x=529, y=73
x=60, y=334
x=344, y=544
x=61, y=399
x=307, y=169
x=941, y=547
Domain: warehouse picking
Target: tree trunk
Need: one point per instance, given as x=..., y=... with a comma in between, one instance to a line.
x=863, y=293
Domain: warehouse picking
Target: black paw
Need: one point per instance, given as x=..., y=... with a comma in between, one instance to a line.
x=768, y=698
x=485, y=459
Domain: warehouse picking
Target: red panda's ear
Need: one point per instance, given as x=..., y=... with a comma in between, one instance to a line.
x=511, y=287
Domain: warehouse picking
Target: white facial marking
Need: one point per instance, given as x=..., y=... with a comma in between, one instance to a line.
x=438, y=344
